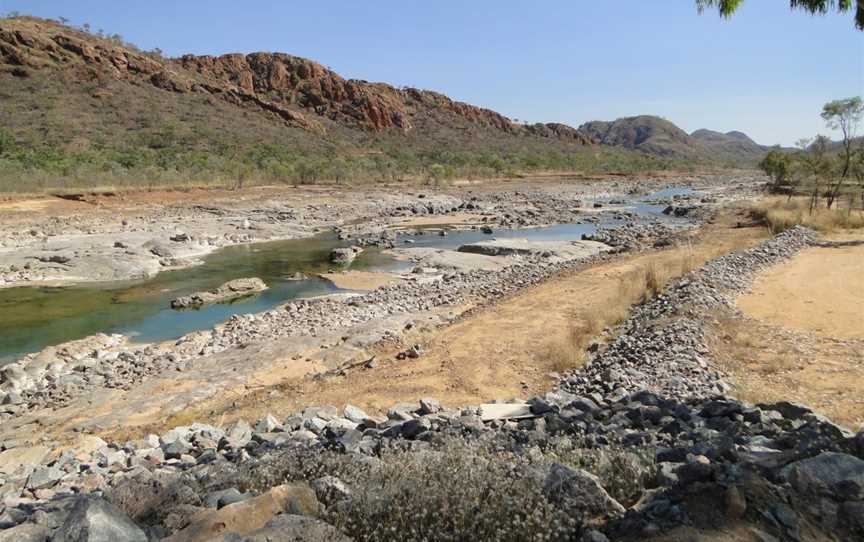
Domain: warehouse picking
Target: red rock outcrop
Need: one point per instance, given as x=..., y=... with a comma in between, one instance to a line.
x=289, y=87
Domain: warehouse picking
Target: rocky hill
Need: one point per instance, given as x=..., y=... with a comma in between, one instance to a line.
x=295, y=90
x=86, y=110
x=733, y=144
x=660, y=137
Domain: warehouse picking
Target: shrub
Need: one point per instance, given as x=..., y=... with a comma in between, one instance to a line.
x=459, y=492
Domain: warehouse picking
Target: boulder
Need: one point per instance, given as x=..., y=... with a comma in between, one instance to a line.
x=96, y=520
x=249, y=516
x=228, y=291
x=579, y=492
x=355, y=414
x=289, y=528
x=238, y=435
x=268, y=424
x=44, y=477
x=829, y=474
x=344, y=256
x=26, y=532
x=429, y=406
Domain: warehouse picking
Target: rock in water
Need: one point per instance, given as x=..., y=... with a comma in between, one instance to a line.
x=229, y=290
x=97, y=520
x=344, y=256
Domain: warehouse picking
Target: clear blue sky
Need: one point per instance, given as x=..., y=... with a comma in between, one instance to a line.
x=767, y=71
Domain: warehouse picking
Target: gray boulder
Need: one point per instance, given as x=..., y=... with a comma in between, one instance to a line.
x=355, y=414
x=830, y=474
x=96, y=520
x=26, y=532
x=228, y=291
x=268, y=424
x=580, y=492
x=344, y=256
x=238, y=435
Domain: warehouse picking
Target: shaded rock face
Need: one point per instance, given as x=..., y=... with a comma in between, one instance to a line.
x=581, y=492
x=229, y=290
x=96, y=520
x=293, y=89
x=829, y=474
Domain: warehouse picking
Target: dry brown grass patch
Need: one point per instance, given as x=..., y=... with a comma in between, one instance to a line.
x=780, y=214
x=638, y=285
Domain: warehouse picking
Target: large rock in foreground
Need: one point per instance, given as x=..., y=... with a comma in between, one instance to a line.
x=581, y=493
x=830, y=474
x=97, y=520
x=229, y=290
x=289, y=528
x=246, y=517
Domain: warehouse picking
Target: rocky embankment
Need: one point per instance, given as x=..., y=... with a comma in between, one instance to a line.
x=640, y=442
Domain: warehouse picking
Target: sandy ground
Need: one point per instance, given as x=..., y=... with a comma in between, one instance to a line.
x=360, y=280
x=802, y=335
x=820, y=290
x=454, y=219
x=510, y=349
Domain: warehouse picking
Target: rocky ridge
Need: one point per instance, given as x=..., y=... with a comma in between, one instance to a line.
x=294, y=90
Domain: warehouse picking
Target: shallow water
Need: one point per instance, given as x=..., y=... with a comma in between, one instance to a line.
x=32, y=318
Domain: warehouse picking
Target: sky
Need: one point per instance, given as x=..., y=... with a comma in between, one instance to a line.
x=767, y=71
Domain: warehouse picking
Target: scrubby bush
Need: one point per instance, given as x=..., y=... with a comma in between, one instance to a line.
x=456, y=493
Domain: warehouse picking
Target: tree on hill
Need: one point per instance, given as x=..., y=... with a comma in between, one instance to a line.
x=728, y=7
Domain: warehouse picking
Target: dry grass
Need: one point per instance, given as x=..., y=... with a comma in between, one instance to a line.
x=636, y=286
x=780, y=214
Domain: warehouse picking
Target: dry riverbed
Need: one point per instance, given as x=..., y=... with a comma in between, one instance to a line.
x=127, y=385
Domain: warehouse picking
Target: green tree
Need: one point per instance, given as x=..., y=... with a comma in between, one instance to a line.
x=815, y=164
x=728, y=7
x=777, y=165
x=844, y=115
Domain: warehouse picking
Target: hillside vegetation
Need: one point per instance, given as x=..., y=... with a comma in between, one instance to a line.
x=85, y=111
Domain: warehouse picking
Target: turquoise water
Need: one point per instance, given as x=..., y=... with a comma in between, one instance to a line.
x=32, y=318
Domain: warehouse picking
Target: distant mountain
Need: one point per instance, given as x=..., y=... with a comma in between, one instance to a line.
x=736, y=145
x=660, y=137
x=645, y=133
